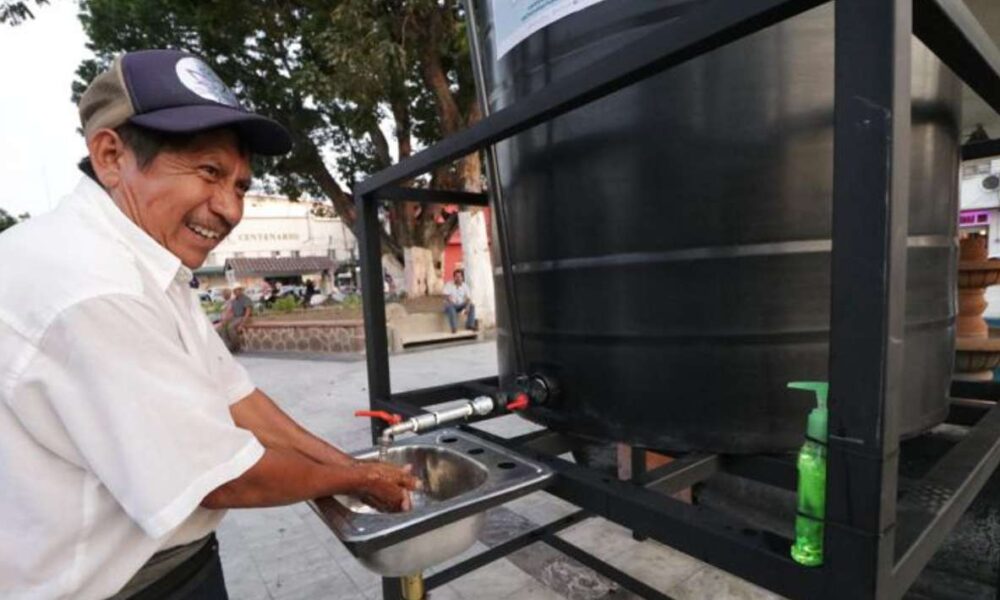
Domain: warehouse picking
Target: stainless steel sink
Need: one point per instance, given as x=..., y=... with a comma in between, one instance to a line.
x=462, y=476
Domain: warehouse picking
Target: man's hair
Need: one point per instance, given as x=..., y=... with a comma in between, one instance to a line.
x=458, y=272
x=147, y=144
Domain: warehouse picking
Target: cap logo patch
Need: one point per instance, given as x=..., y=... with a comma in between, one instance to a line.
x=202, y=80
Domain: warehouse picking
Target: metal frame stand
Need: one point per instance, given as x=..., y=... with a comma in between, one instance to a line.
x=873, y=549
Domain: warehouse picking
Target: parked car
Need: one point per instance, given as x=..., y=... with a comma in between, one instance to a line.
x=317, y=299
x=292, y=290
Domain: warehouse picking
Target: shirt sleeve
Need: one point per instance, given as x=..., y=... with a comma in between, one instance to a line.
x=144, y=417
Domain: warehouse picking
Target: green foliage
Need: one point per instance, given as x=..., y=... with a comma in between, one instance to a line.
x=285, y=304
x=8, y=220
x=351, y=301
x=211, y=307
x=331, y=70
x=15, y=12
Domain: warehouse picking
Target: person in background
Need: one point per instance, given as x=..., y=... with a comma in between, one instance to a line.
x=226, y=313
x=457, y=298
x=307, y=296
x=267, y=296
x=241, y=309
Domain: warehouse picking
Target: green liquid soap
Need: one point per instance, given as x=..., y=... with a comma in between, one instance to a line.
x=808, y=547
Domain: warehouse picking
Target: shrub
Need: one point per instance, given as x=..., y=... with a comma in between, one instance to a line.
x=212, y=307
x=351, y=301
x=285, y=304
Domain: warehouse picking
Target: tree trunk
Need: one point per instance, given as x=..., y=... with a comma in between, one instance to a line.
x=471, y=221
x=476, y=247
x=435, y=281
x=393, y=267
x=418, y=270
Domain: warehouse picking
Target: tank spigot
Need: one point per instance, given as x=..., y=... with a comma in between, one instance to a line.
x=538, y=388
x=520, y=402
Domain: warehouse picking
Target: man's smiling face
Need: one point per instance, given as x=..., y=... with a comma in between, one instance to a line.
x=187, y=199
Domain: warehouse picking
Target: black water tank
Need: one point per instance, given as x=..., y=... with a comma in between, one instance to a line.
x=671, y=242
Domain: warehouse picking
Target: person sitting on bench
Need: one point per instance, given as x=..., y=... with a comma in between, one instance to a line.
x=457, y=299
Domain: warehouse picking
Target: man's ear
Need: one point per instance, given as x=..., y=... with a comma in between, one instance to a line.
x=107, y=156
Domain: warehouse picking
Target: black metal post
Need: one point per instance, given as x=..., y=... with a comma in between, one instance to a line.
x=871, y=180
x=637, y=458
x=499, y=206
x=714, y=24
x=376, y=338
x=954, y=34
x=392, y=588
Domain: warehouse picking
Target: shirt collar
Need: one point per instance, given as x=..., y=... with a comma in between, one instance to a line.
x=164, y=266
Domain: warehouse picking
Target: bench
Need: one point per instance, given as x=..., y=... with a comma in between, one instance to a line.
x=407, y=330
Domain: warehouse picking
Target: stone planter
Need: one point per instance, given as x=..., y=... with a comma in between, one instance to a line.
x=314, y=337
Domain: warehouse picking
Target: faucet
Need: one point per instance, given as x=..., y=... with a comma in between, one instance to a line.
x=480, y=406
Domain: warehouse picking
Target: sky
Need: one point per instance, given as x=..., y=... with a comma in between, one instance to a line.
x=39, y=145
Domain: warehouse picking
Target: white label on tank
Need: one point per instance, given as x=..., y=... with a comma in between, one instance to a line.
x=515, y=20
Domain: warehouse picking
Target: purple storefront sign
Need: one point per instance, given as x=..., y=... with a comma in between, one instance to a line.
x=974, y=218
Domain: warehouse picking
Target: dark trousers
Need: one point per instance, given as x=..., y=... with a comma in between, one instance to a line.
x=452, y=310
x=198, y=578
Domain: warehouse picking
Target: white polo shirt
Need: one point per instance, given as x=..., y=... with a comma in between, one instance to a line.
x=457, y=294
x=114, y=403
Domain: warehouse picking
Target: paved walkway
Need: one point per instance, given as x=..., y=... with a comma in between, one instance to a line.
x=288, y=554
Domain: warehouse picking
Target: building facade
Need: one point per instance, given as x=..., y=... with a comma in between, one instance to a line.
x=276, y=227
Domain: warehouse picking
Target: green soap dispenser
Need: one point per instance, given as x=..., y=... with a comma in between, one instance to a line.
x=808, y=547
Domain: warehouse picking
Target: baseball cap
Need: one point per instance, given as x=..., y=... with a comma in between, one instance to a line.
x=174, y=92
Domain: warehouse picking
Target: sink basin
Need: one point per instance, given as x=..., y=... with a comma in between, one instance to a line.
x=462, y=476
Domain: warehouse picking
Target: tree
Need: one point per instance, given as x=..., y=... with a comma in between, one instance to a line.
x=334, y=71
x=7, y=220
x=14, y=12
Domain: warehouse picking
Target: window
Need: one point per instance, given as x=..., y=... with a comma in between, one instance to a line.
x=276, y=253
x=295, y=253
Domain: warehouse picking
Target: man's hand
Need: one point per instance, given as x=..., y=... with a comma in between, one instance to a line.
x=386, y=487
x=285, y=476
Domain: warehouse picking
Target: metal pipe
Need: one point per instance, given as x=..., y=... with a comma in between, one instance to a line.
x=413, y=586
x=480, y=406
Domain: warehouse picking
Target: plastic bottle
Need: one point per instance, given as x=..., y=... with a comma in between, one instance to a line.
x=808, y=547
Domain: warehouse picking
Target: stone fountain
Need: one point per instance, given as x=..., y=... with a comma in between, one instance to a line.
x=977, y=353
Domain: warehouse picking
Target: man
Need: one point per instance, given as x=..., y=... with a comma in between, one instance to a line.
x=457, y=299
x=226, y=314
x=125, y=426
x=308, y=294
x=240, y=311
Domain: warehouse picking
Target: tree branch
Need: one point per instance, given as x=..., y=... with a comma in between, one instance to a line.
x=381, y=146
x=433, y=74
x=343, y=202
